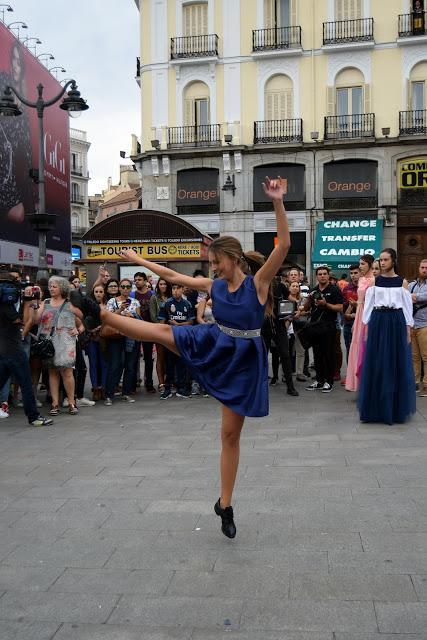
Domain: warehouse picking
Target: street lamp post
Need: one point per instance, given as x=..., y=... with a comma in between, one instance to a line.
x=41, y=221
x=3, y=8
x=20, y=25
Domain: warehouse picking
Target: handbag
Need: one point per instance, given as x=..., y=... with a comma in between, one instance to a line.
x=43, y=346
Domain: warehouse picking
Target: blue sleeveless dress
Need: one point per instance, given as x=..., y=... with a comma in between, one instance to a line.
x=233, y=370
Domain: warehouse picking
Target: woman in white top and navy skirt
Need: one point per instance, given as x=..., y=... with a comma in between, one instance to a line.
x=387, y=386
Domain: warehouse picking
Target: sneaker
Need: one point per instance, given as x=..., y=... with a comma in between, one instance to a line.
x=127, y=399
x=108, y=402
x=5, y=409
x=65, y=403
x=41, y=422
x=423, y=392
x=3, y=414
x=195, y=389
x=84, y=402
x=273, y=382
x=206, y=395
x=327, y=388
x=314, y=386
x=167, y=393
x=183, y=394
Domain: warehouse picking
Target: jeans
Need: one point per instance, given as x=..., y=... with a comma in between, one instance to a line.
x=115, y=363
x=4, y=391
x=18, y=366
x=130, y=365
x=282, y=346
x=347, y=329
x=175, y=370
x=324, y=353
x=97, y=364
x=147, y=349
x=80, y=371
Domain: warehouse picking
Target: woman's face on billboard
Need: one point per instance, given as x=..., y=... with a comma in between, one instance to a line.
x=16, y=65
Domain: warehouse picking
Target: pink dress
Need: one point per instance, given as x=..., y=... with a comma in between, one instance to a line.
x=358, y=338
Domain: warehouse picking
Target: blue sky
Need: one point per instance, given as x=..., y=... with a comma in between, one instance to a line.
x=97, y=42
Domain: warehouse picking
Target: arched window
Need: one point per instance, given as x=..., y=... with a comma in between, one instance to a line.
x=349, y=92
x=195, y=19
x=279, y=98
x=196, y=104
x=348, y=9
x=417, y=87
x=349, y=100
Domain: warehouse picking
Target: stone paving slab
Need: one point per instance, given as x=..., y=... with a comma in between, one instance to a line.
x=108, y=532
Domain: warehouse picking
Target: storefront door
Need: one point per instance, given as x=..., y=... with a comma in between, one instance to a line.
x=412, y=248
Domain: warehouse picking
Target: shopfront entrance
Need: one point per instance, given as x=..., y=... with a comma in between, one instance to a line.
x=412, y=214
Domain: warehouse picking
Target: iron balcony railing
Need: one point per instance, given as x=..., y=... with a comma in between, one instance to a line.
x=203, y=46
x=276, y=38
x=360, y=30
x=77, y=199
x=358, y=125
x=412, y=24
x=412, y=123
x=78, y=231
x=77, y=170
x=267, y=131
x=205, y=135
x=138, y=67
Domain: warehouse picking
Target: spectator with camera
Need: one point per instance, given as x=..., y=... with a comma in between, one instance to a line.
x=13, y=359
x=418, y=291
x=324, y=302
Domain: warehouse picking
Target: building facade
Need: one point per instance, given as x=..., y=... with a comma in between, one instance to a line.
x=328, y=93
x=79, y=179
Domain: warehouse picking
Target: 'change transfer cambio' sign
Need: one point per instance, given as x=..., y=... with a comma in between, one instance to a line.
x=339, y=243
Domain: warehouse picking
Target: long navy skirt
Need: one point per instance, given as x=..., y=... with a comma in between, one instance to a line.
x=387, y=386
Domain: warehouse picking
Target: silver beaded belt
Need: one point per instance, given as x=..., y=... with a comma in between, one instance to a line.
x=240, y=333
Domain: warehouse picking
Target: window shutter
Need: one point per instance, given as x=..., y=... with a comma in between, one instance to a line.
x=269, y=14
x=348, y=9
x=367, y=98
x=196, y=19
x=339, y=13
x=189, y=112
x=408, y=106
x=293, y=12
x=279, y=105
x=330, y=101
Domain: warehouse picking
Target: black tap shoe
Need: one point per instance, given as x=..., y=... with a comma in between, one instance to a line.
x=227, y=527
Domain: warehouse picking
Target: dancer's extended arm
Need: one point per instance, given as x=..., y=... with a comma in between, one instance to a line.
x=200, y=284
x=275, y=189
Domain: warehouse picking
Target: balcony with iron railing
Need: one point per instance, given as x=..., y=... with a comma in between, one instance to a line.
x=203, y=46
x=412, y=24
x=413, y=123
x=76, y=198
x=76, y=170
x=205, y=135
x=270, y=131
x=276, y=39
x=350, y=127
x=348, y=31
x=78, y=232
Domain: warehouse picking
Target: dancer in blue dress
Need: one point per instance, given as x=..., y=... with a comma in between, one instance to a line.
x=387, y=386
x=229, y=358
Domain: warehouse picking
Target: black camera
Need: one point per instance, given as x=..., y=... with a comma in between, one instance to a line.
x=316, y=296
x=10, y=290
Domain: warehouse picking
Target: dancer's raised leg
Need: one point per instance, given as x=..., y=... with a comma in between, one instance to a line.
x=141, y=330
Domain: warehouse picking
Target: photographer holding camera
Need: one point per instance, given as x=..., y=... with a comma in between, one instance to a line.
x=418, y=290
x=325, y=301
x=13, y=359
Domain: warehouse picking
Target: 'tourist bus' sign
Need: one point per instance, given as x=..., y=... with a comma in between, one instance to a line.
x=148, y=250
x=339, y=243
x=350, y=179
x=197, y=187
x=413, y=173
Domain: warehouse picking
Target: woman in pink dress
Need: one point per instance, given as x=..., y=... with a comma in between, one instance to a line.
x=358, y=335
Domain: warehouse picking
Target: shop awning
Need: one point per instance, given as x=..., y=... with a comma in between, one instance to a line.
x=339, y=243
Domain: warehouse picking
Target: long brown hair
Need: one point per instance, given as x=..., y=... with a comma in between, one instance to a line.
x=250, y=261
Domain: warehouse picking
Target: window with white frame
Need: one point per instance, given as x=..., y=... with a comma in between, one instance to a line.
x=279, y=98
x=195, y=19
x=196, y=105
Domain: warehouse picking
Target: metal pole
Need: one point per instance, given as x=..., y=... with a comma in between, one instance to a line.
x=42, y=270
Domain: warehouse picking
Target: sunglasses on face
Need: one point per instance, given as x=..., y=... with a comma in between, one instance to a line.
x=125, y=286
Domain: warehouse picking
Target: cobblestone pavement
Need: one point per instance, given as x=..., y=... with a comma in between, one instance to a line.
x=108, y=531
